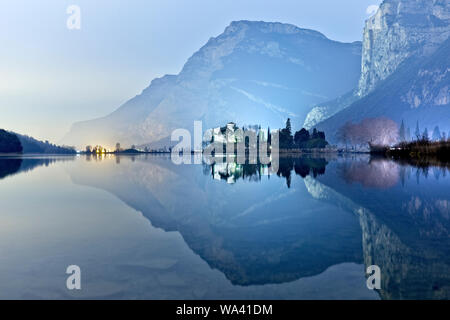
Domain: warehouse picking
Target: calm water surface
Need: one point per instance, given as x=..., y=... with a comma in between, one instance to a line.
x=144, y=228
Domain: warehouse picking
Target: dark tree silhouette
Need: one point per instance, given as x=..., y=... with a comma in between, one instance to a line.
x=288, y=126
x=425, y=135
x=417, y=131
x=402, y=133
x=301, y=136
x=286, y=139
x=9, y=142
x=304, y=140
x=31, y=145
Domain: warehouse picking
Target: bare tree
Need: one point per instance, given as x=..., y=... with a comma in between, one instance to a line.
x=377, y=131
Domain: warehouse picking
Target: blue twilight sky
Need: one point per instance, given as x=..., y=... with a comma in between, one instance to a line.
x=51, y=76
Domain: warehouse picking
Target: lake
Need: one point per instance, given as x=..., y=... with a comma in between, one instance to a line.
x=141, y=227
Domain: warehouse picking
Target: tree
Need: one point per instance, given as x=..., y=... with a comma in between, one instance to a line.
x=425, y=135
x=317, y=140
x=417, y=131
x=286, y=139
x=98, y=149
x=436, y=134
x=288, y=126
x=402, y=133
x=118, y=147
x=88, y=149
x=378, y=131
x=408, y=134
x=343, y=134
x=355, y=134
x=301, y=137
x=381, y=131
x=269, y=137
x=9, y=142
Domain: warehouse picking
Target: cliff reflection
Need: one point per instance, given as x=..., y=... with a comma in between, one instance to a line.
x=255, y=233
x=358, y=209
x=404, y=212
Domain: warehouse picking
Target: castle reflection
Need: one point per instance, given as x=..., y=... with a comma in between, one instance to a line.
x=258, y=225
x=230, y=171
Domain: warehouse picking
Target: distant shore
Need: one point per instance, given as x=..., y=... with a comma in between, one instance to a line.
x=416, y=151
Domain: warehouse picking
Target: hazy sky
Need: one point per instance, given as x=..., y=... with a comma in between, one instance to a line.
x=51, y=76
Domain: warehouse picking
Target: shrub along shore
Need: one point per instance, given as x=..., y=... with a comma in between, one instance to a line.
x=422, y=150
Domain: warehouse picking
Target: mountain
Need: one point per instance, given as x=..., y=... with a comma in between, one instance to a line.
x=401, y=29
x=328, y=109
x=253, y=73
x=405, y=69
x=417, y=91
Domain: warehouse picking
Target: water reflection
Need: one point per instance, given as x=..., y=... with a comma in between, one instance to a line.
x=404, y=214
x=253, y=233
x=14, y=165
x=369, y=172
x=230, y=171
x=371, y=211
x=267, y=227
x=383, y=173
x=9, y=167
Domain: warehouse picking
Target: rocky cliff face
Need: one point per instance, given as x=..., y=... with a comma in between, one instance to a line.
x=328, y=109
x=400, y=29
x=253, y=73
x=430, y=87
x=405, y=70
x=416, y=92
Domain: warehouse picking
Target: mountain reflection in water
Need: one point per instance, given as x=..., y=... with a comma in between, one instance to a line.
x=256, y=228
